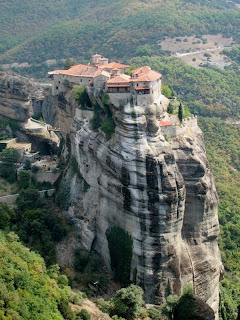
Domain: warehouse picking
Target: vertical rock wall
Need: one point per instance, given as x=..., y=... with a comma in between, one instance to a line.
x=161, y=192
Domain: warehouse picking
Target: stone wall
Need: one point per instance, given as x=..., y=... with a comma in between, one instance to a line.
x=11, y=199
x=176, y=130
x=120, y=99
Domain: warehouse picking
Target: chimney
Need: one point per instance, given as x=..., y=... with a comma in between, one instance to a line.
x=115, y=72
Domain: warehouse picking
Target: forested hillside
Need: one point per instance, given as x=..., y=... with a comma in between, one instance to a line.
x=33, y=31
x=27, y=289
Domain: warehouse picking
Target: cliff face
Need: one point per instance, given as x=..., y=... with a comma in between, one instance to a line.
x=19, y=97
x=158, y=189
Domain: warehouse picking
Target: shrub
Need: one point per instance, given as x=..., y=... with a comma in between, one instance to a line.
x=154, y=314
x=84, y=315
x=81, y=96
x=35, y=169
x=7, y=216
x=81, y=259
x=167, y=91
x=23, y=180
x=108, y=127
x=9, y=157
x=128, y=302
x=96, y=120
x=27, y=164
x=105, y=98
x=62, y=199
x=75, y=167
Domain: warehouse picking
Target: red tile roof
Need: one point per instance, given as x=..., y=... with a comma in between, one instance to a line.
x=80, y=70
x=113, y=65
x=165, y=123
x=119, y=79
x=139, y=70
x=147, y=77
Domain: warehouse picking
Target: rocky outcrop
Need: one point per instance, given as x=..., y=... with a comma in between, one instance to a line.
x=18, y=96
x=158, y=189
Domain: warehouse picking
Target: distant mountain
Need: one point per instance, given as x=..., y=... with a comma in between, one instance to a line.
x=34, y=31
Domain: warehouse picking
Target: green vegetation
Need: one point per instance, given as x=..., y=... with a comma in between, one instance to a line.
x=187, y=307
x=8, y=159
x=103, y=118
x=41, y=37
x=7, y=188
x=180, y=112
x=62, y=198
x=126, y=304
x=175, y=107
x=36, y=223
x=81, y=96
x=222, y=143
x=206, y=92
x=27, y=289
x=120, y=248
x=89, y=269
x=23, y=180
x=5, y=124
x=233, y=54
x=108, y=127
x=167, y=91
x=75, y=167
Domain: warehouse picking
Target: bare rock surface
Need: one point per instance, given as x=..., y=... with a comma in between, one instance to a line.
x=159, y=190
x=17, y=96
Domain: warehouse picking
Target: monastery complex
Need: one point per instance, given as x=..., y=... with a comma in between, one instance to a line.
x=142, y=87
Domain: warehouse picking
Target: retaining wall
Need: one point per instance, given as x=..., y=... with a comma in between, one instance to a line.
x=11, y=199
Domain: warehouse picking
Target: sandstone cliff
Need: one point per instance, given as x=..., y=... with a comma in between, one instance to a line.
x=19, y=97
x=158, y=188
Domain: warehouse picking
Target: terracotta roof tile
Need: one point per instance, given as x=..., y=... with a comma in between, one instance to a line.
x=119, y=79
x=80, y=70
x=139, y=70
x=113, y=65
x=147, y=77
x=165, y=123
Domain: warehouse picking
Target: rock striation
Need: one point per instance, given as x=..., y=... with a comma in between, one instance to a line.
x=19, y=97
x=158, y=189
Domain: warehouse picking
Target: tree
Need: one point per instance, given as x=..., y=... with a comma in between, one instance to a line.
x=170, y=305
x=27, y=164
x=180, y=112
x=69, y=63
x=120, y=247
x=23, y=180
x=167, y=91
x=8, y=157
x=128, y=302
x=7, y=216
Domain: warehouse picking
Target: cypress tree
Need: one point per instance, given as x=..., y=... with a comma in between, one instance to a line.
x=180, y=112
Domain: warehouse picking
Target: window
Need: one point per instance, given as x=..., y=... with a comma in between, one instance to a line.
x=80, y=80
x=56, y=88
